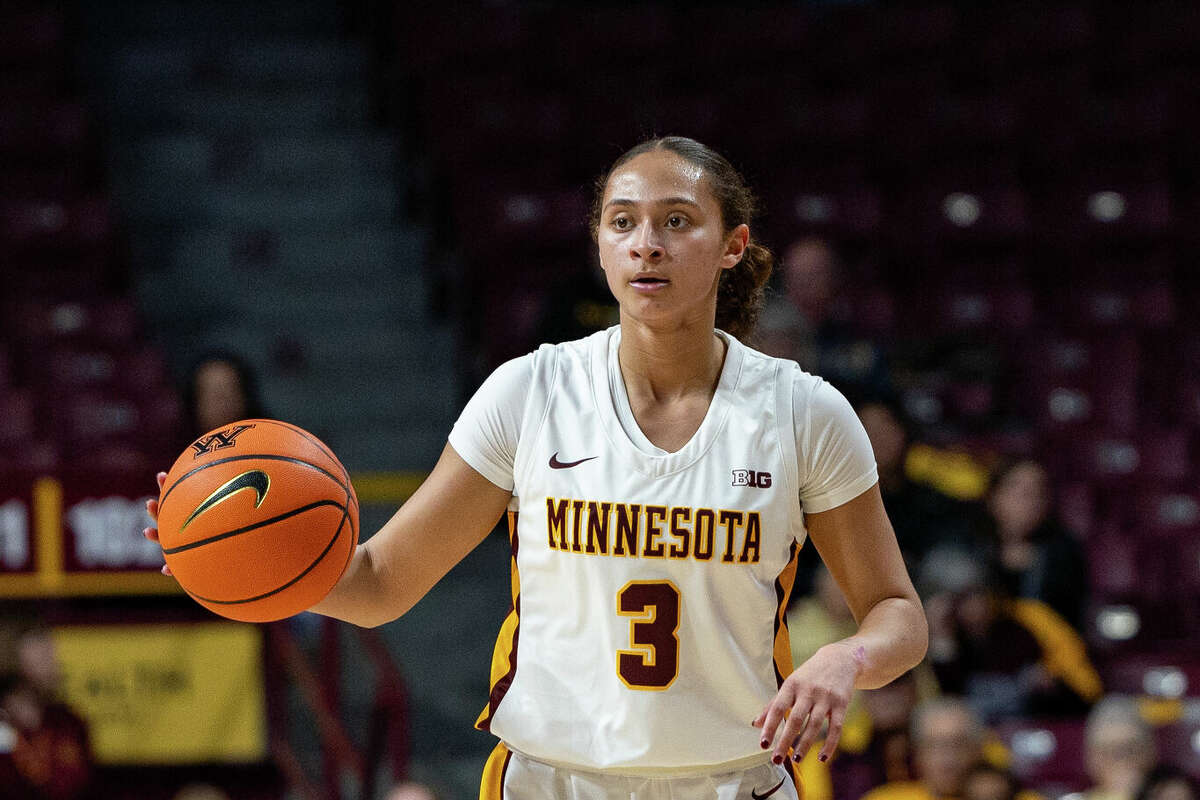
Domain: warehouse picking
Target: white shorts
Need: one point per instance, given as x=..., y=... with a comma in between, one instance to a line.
x=509, y=775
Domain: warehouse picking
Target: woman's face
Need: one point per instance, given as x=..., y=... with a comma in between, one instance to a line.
x=1020, y=501
x=220, y=399
x=662, y=240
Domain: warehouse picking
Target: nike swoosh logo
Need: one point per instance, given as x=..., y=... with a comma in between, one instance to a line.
x=255, y=479
x=769, y=792
x=556, y=464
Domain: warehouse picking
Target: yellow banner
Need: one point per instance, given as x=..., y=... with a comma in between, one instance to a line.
x=167, y=694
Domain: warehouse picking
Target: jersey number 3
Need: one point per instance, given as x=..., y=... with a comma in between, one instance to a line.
x=652, y=662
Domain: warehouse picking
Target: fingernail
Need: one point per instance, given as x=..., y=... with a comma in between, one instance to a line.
x=764, y=744
x=796, y=757
x=822, y=758
x=778, y=759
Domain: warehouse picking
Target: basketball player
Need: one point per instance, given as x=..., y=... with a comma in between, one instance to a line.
x=659, y=478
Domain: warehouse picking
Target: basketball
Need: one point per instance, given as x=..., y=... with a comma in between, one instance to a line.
x=257, y=520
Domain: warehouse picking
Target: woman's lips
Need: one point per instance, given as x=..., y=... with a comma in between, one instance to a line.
x=648, y=284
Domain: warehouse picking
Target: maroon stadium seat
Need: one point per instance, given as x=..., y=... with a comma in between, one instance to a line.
x=1046, y=753
x=1170, y=674
x=1179, y=745
x=17, y=411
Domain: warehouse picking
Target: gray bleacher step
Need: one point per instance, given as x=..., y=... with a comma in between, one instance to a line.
x=414, y=348
x=165, y=191
x=288, y=312
x=329, y=307
x=309, y=158
x=384, y=259
x=384, y=401
x=182, y=60
x=398, y=447
x=219, y=18
x=366, y=202
x=241, y=110
x=364, y=347
x=326, y=251
x=294, y=60
x=284, y=300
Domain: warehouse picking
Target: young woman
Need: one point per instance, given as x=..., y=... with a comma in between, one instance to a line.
x=659, y=478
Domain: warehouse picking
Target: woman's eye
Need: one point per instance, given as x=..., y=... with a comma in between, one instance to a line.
x=676, y=221
x=622, y=223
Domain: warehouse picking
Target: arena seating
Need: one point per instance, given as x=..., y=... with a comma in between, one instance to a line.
x=78, y=383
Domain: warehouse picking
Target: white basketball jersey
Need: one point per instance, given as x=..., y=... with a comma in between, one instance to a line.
x=649, y=590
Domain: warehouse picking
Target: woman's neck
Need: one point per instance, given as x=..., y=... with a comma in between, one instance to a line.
x=661, y=365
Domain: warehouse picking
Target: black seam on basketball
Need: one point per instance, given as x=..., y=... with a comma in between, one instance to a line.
x=353, y=532
x=308, y=569
x=287, y=515
x=317, y=443
x=244, y=457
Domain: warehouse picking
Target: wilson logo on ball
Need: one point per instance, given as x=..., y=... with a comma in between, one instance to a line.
x=219, y=440
x=255, y=479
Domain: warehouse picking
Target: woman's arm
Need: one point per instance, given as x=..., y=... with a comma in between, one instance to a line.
x=857, y=544
x=452, y=511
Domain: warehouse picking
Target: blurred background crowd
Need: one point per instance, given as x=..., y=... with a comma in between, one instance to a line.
x=345, y=215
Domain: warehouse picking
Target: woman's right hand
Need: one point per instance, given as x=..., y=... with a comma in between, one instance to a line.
x=151, y=533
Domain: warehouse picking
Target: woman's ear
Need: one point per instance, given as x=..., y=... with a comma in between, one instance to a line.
x=735, y=246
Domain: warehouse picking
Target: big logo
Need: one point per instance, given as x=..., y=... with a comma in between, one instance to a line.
x=219, y=440
x=753, y=478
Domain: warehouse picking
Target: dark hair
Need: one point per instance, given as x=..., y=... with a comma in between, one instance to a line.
x=741, y=290
x=245, y=375
x=985, y=768
x=886, y=399
x=1166, y=773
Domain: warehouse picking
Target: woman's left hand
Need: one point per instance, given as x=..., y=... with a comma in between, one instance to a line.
x=820, y=689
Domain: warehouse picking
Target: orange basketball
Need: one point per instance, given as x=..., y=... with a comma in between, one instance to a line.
x=257, y=520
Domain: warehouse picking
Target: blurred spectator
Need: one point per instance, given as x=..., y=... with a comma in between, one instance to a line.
x=1037, y=556
x=947, y=740
x=220, y=389
x=922, y=516
x=409, y=790
x=1119, y=749
x=988, y=782
x=1006, y=656
x=37, y=660
x=46, y=752
x=811, y=322
x=1168, y=783
x=201, y=791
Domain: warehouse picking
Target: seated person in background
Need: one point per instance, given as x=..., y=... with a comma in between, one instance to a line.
x=1119, y=749
x=1168, y=783
x=1037, y=557
x=220, y=389
x=409, y=790
x=811, y=322
x=45, y=752
x=201, y=791
x=922, y=516
x=947, y=741
x=1009, y=657
x=988, y=782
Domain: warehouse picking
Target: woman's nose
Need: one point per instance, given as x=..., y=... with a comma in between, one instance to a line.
x=647, y=246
